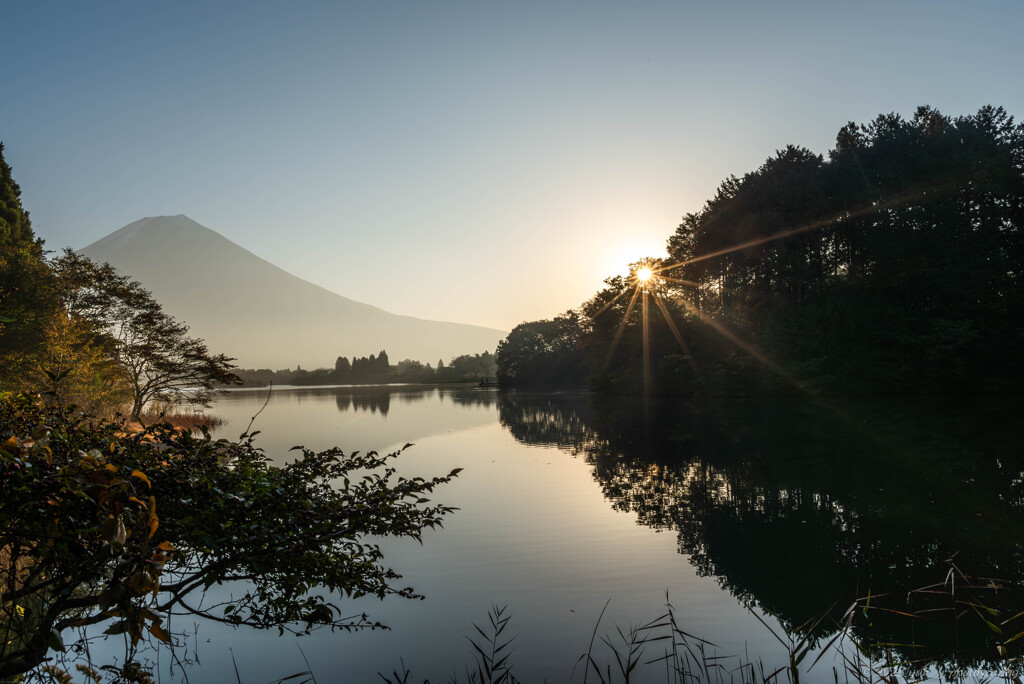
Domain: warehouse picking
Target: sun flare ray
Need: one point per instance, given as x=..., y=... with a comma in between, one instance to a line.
x=610, y=303
x=885, y=205
x=622, y=327
x=678, y=335
x=647, y=341
x=647, y=273
x=745, y=346
x=689, y=283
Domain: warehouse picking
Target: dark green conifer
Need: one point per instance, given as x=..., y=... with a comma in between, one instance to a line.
x=15, y=227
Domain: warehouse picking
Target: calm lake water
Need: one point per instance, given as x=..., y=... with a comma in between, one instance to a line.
x=791, y=509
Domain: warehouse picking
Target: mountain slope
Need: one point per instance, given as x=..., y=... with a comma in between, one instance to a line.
x=248, y=308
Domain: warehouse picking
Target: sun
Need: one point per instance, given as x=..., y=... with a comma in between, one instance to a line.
x=644, y=275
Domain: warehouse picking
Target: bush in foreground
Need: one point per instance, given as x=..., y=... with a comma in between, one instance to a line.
x=99, y=526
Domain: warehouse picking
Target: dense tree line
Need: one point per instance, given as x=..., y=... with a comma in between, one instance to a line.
x=377, y=369
x=892, y=264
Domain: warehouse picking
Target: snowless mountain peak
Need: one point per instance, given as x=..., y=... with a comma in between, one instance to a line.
x=250, y=309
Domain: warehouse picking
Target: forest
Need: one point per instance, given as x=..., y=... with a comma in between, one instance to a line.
x=891, y=265
x=377, y=369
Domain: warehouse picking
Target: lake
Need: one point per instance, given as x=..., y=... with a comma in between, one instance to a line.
x=784, y=509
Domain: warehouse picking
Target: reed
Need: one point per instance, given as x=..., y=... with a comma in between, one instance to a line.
x=190, y=421
x=621, y=655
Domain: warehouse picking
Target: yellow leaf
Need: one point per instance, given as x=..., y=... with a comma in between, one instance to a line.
x=141, y=582
x=142, y=476
x=159, y=632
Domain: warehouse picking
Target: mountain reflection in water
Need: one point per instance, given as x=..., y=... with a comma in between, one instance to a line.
x=800, y=510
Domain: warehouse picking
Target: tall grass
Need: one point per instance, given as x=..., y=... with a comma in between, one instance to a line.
x=661, y=650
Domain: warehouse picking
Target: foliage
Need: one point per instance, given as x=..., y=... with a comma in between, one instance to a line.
x=542, y=352
x=97, y=526
x=28, y=302
x=408, y=370
x=77, y=364
x=81, y=333
x=377, y=369
x=889, y=265
x=468, y=367
x=153, y=353
x=26, y=293
x=892, y=265
x=15, y=226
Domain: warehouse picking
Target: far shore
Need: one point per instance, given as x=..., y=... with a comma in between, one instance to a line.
x=425, y=385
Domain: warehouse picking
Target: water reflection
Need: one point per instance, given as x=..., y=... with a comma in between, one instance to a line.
x=372, y=403
x=377, y=399
x=799, y=511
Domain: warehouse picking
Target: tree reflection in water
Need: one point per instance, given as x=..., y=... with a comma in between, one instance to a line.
x=799, y=512
x=378, y=398
x=374, y=403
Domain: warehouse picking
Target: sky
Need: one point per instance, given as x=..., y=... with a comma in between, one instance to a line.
x=478, y=162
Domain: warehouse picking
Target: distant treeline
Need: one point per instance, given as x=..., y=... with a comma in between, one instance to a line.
x=892, y=265
x=377, y=369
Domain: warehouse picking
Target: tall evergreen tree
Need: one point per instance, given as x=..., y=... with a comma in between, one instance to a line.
x=342, y=370
x=27, y=299
x=15, y=227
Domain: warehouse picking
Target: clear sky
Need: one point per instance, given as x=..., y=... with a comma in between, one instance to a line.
x=478, y=162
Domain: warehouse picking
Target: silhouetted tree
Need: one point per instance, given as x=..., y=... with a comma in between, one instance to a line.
x=342, y=371
x=542, y=352
x=153, y=351
x=15, y=227
x=892, y=264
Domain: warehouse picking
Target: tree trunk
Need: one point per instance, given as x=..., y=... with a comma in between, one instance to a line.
x=137, y=404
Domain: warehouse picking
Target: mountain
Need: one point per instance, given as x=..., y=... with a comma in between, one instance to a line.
x=246, y=307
